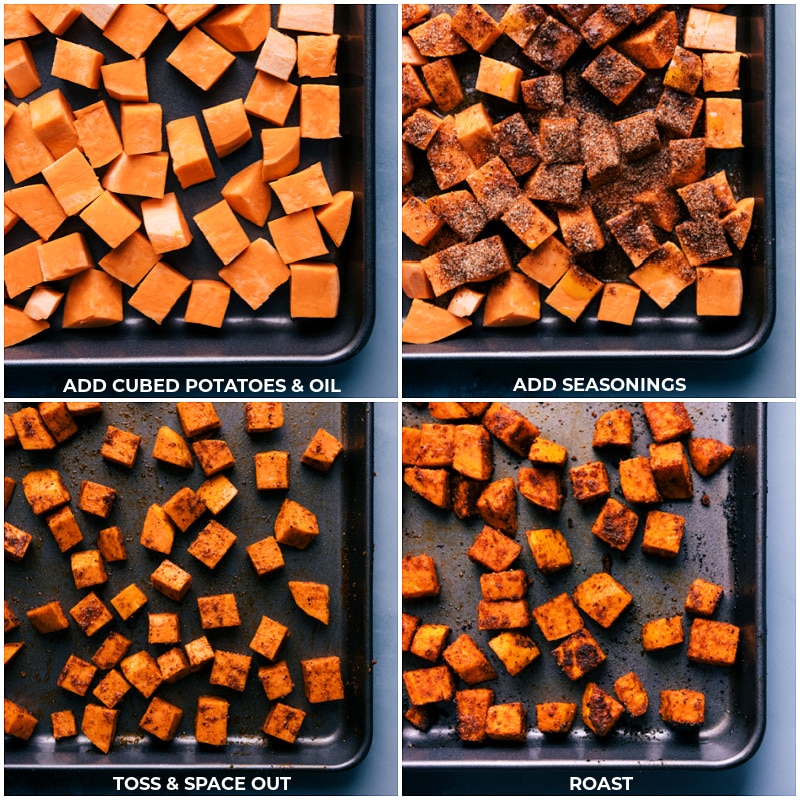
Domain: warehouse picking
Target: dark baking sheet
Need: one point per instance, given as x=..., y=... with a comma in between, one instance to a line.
x=676, y=331
x=334, y=735
x=268, y=335
x=724, y=542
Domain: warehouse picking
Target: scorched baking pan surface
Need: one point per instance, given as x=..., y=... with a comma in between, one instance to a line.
x=675, y=331
x=267, y=335
x=335, y=734
x=724, y=543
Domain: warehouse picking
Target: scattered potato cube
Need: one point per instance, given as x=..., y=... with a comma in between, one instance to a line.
x=721, y=72
x=199, y=653
x=45, y=490
x=76, y=675
x=547, y=453
x=429, y=685
x=88, y=569
x=709, y=30
x=48, y=618
x=111, y=689
x=322, y=679
x=499, y=78
x=590, y=482
x=410, y=623
x=549, y=549
x=579, y=654
x=685, y=71
x=497, y=505
x=467, y=661
x=216, y=493
x=111, y=544
x=211, y=721
x=719, y=292
x=213, y=455
x=261, y=417
x=542, y=486
x=631, y=692
x=173, y=665
x=599, y=710
x=164, y=628
x=552, y=45
x=502, y=615
x=64, y=527
x=218, y=611
x=576, y=289
x=493, y=550
x=312, y=598
x=272, y=470
x=171, y=580
x=432, y=484
x=276, y=680
x=322, y=451
x=429, y=641
x=682, y=707
x=157, y=531
x=419, y=578
x=602, y=598
x=663, y=533
x=161, y=719
x=120, y=447
x=671, y=470
x=558, y=617
x=184, y=508
x=31, y=430
x=91, y=614
x=614, y=429
x=472, y=706
x=507, y=585
x=712, y=642
x=141, y=670
x=265, y=555
x=171, y=448
x=99, y=725
x=15, y=542
x=283, y=722
x=661, y=633
x=295, y=525
x=58, y=420
x=17, y=721
x=197, y=418
x=129, y=601
x=111, y=652
x=637, y=481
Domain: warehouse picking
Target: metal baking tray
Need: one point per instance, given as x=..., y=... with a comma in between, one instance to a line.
x=675, y=331
x=335, y=735
x=268, y=335
x=724, y=542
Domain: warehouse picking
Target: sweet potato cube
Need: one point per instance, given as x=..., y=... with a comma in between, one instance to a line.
x=297, y=237
x=99, y=725
x=316, y=55
x=550, y=550
x=213, y=456
x=130, y=261
x=552, y=45
x=661, y=633
x=197, y=418
x=126, y=81
x=211, y=544
x=602, y=598
x=542, y=486
x=141, y=670
x=9, y=484
x=110, y=219
x=631, y=692
x=528, y=222
x=447, y=158
x=579, y=654
x=435, y=445
x=414, y=94
x=429, y=685
x=410, y=623
x=419, y=577
x=161, y=719
x=472, y=452
x=618, y=303
x=419, y=222
x=44, y=490
x=426, y=323
x=24, y=154
x=708, y=455
x=76, y=675
x=171, y=580
x=667, y=421
x=64, y=257
x=15, y=542
x=312, y=598
x=712, y=642
x=64, y=527
x=437, y=38
x=671, y=470
x=432, y=484
x=737, y=222
x=472, y=706
x=723, y=123
x=652, y=46
x=52, y=122
x=664, y=275
x=130, y=600
x=143, y=175
x=284, y=722
x=547, y=263
x=637, y=482
x=321, y=451
x=468, y=662
x=677, y=112
x=520, y=21
x=721, y=72
x=322, y=679
x=265, y=555
x=495, y=188
x=171, y=448
x=429, y=641
x=158, y=532
x=199, y=653
x=278, y=55
x=319, y=111
x=444, y=84
x=111, y=652
x=72, y=181
x=515, y=650
x=682, y=707
x=506, y=722
x=633, y=234
x=703, y=597
x=462, y=212
x=164, y=628
x=601, y=26
x=502, y=615
x=599, y=710
x=17, y=721
x=64, y=725
x=473, y=128
x=218, y=611
x=134, y=27
x=687, y=159
x=590, y=482
x=558, y=617
x=91, y=614
x=555, y=717
x=276, y=680
x=22, y=271
x=613, y=75
x=208, y=302
x=211, y=721
x=295, y=525
x=222, y=230
x=248, y=195
x=200, y=59
x=709, y=30
x=462, y=263
x=88, y=569
x=493, y=550
x=615, y=524
x=582, y=234
x=510, y=427
x=10, y=621
x=77, y=63
x=262, y=417
x=477, y=28
x=120, y=447
x=240, y=28
x=497, y=505
x=111, y=689
x=190, y=161
x=19, y=69
x=685, y=71
x=48, y=618
x=96, y=499
x=216, y=493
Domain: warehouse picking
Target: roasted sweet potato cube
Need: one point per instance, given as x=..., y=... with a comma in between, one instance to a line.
x=472, y=706
x=435, y=445
x=96, y=499
x=164, y=628
x=284, y=722
x=472, y=452
x=467, y=661
x=58, y=420
x=312, y=598
x=120, y=447
x=15, y=542
x=558, y=617
x=637, y=482
x=542, y=486
x=184, y=508
x=663, y=533
x=615, y=524
x=496, y=615
x=414, y=93
x=111, y=689
x=211, y=721
x=599, y=710
x=555, y=717
x=265, y=555
x=10, y=649
x=579, y=654
x=111, y=652
x=272, y=470
x=712, y=642
x=174, y=665
x=429, y=641
x=76, y=675
x=549, y=549
x=552, y=45
x=295, y=525
x=708, y=455
x=88, y=569
x=276, y=680
x=213, y=455
x=465, y=493
x=410, y=444
x=17, y=721
x=677, y=112
x=218, y=611
x=161, y=719
x=506, y=585
x=652, y=46
x=171, y=580
x=322, y=679
x=9, y=484
x=10, y=621
x=497, y=505
x=547, y=453
x=436, y=38
x=661, y=633
x=684, y=708
x=419, y=578
x=432, y=484
x=64, y=527
x=703, y=597
x=91, y=614
x=602, y=598
x=99, y=725
x=421, y=717
x=321, y=451
x=31, y=430
x=667, y=421
x=216, y=493
x=48, y=618
x=197, y=418
x=631, y=692
x=199, y=653
x=129, y=601
x=64, y=725
x=515, y=650
x=429, y=685
x=494, y=550
x=171, y=448
x=230, y=669
x=410, y=623
x=506, y=722
x=590, y=481
x=671, y=470
x=44, y=490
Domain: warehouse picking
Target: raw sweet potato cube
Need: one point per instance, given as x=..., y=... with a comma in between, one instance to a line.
x=437, y=38
x=25, y=155
x=52, y=122
x=120, y=447
x=615, y=524
x=466, y=301
x=315, y=288
x=432, y=484
x=682, y=707
x=171, y=580
x=737, y=222
x=494, y=187
x=144, y=175
x=134, y=27
x=661, y=633
x=200, y=59
x=45, y=490
x=158, y=532
x=141, y=670
x=429, y=641
x=248, y=195
x=130, y=261
x=516, y=144
x=552, y=45
x=550, y=550
x=426, y=323
x=111, y=652
x=22, y=270
x=222, y=231
x=547, y=263
x=472, y=707
x=211, y=544
x=77, y=63
x=723, y=123
x=709, y=30
x=110, y=219
x=473, y=128
x=111, y=689
x=239, y=28
x=73, y=181
x=652, y=45
x=297, y=237
x=528, y=222
x=721, y=72
x=599, y=710
x=555, y=717
x=579, y=654
x=211, y=721
x=64, y=257
x=213, y=456
x=545, y=93
x=218, y=611
x=316, y=55
x=322, y=679
x=703, y=597
x=559, y=142
x=712, y=642
x=542, y=486
x=190, y=161
x=88, y=569
x=295, y=525
x=581, y=234
x=48, y=618
x=164, y=628
x=637, y=482
x=664, y=275
x=601, y=26
x=419, y=222
x=99, y=725
x=76, y=675
x=64, y=725
x=633, y=234
x=419, y=577
x=590, y=481
x=520, y=21
x=130, y=600
x=278, y=55
x=671, y=470
x=602, y=598
x=687, y=159
x=429, y=685
x=618, y=303
x=467, y=660
x=444, y=84
x=558, y=617
x=265, y=555
x=276, y=680
x=126, y=81
x=319, y=111
x=19, y=69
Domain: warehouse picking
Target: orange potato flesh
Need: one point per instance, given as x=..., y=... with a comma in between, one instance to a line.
x=426, y=323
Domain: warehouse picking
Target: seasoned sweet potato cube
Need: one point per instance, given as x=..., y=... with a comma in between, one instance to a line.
x=213, y=455
x=410, y=623
x=429, y=641
x=58, y=420
x=435, y=445
x=663, y=533
x=601, y=26
x=76, y=675
x=432, y=484
x=549, y=549
x=64, y=725
x=88, y=569
x=295, y=525
x=171, y=580
x=129, y=601
x=218, y=611
x=230, y=669
x=477, y=28
x=633, y=234
x=96, y=499
x=448, y=160
x=419, y=578
x=436, y=38
x=468, y=662
x=321, y=451
x=687, y=161
x=542, y=486
x=184, y=508
x=322, y=679
x=443, y=83
x=652, y=46
x=516, y=144
x=211, y=721
x=171, y=448
x=161, y=719
x=631, y=692
x=712, y=642
x=590, y=481
x=497, y=505
x=272, y=470
x=685, y=71
x=506, y=585
x=506, y=722
x=17, y=721
x=216, y=493
x=284, y=722
x=602, y=598
x=558, y=617
x=555, y=717
x=667, y=421
x=164, y=628
x=197, y=418
x=429, y=685
x=414, y=93
x=173, y=665
x=494, y=187
x=529, y=223
x=312, y=598
x=661, y=633
x=212, y=543
x=15, y=542
x=265, y=555
x=111, y=689
x=737, y=223
x=448, y=411
x=547, y=453
x=10, y=621
x=31, y=431
x=461, y=211
x=276, y=680
x=120, y=447
x=157, y=531
x=111, y=652
x=472, y=706
x=664, y=275
x=556, y=183
x=708, y=455
x=520, y=21
x=599, y=710
x=552, y=45
x=493, y=550
x=579, y=654
x=703, y=597
x=613, y=75
x=261, y=417
x=671, y=470
x=91, y=614
x=677, y=112
x=199, y=653
x=48, y=618
x=420, y=127
x=559, y=141
x=496, y=615
x=99, y=725
x=472, y=452
x=637, y=481
x=682, y=707
x=545, y=93
x=615, y=524
x=515, y=650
